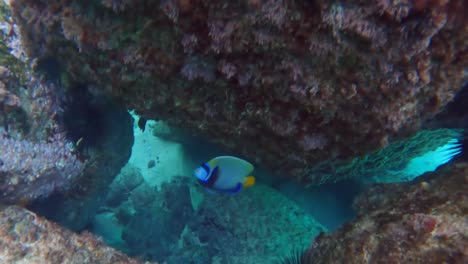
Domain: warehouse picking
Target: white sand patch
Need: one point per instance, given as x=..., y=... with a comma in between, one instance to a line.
x=169, y=157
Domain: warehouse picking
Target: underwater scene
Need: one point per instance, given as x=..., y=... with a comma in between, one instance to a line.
x=233, y=132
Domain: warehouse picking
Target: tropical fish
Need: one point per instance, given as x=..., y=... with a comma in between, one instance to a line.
x=225, y=174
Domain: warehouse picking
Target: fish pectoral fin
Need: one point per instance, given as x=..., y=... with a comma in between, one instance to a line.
x=249, y=181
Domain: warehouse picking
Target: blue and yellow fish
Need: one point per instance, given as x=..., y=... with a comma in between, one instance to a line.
x=225, y=174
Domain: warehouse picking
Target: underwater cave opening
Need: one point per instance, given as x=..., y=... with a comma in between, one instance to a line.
x=262, y=222
x=155, y=209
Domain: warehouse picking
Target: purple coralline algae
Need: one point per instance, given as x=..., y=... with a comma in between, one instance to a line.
x=285, y=83
x=420, y=222
x=30, y=170
x=36, y=159
x=28, y=238
x=38, y=155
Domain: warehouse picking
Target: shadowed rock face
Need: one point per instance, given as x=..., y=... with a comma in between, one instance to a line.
x=54, y=137
x=422, y=222
x=285, y=83
x=35, y=159
x=40, y=126
x=27, y=238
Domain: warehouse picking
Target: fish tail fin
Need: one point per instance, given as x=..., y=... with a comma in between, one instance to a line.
x=249, y=181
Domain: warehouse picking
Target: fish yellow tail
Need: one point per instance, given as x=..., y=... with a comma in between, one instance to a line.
x=249, y=181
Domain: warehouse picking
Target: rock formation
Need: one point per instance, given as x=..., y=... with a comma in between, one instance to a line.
x=285, y=83
x=419, y=222
x=28, y=238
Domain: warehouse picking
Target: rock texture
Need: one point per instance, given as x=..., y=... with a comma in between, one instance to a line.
x=257, y=225
x=36, y=158
x=286, y=83
x=421, y=222
x=27, y=238
x=53, y=137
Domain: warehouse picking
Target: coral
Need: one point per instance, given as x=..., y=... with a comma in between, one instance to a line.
x=420, y=222
x=321, y=79
x=27, y=238
x=387, y=164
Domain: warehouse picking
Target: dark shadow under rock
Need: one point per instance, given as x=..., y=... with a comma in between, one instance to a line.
x=102, y=133
x=419, y=222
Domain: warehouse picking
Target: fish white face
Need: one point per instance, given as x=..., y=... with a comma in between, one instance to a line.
x=201, y=174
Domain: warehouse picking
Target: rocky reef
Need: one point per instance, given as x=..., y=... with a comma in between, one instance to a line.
x=54, y=137
x=49, y=142
x=317, y=80
x=418, y=222
x=35, y=159
x=28, y=238
x=315, y=89
x=256, y=226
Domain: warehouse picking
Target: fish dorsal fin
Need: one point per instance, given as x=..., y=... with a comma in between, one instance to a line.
x=231, y=163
